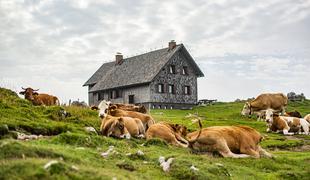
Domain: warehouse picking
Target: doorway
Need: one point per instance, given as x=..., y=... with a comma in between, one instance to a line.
x=131, y=99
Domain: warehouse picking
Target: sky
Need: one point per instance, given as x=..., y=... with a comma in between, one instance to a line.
x=243, y=47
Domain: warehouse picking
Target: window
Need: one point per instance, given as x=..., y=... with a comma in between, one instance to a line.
x=172, y=69
x=100, y=96
x=186, y=90
x=171, y=89
x=160, y=88
x=117, y=93
x=110, y=94
x=114, y=94
x=185, y=70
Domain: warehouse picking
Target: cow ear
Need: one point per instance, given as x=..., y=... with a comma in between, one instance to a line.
x=113, y=107
x=35, y=93
x=121, y=124
x=22, y=92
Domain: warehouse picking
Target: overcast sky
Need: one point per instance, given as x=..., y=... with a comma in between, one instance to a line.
x=243, y=47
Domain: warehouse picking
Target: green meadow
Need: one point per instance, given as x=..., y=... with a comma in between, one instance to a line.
x=77, y=152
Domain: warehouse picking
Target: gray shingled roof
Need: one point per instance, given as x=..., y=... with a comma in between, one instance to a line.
x=134, y=70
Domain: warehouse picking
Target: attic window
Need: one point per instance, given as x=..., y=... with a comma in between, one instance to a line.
x=172, y=69
x=160, y=88
x=187, y=90
x=185, y=70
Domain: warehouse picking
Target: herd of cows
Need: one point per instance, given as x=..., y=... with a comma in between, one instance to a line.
x=126, y=121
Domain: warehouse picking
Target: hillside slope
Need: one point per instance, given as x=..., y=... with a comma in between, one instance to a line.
x=76, y=153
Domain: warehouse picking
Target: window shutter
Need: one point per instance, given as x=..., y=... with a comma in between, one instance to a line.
x=174, y=89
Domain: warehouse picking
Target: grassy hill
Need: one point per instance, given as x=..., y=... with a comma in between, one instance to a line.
x=78, y=152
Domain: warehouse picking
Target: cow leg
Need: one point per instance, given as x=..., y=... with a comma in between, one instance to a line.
x=224, y=150
x=285, y=132
x=305, y=126
x=263, y=152
x=249, y=151
x=180, y=138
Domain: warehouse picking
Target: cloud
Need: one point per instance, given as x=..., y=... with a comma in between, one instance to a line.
x=247, y=47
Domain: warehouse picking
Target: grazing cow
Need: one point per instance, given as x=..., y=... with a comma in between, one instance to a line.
x=172, y=133
x=293, y=114
x=288, y=125
x=307, y=118
x=276, y=101
x=39, y=99
x=121, y=127
x=229, y=141
x=146, y=119
x=130, y=107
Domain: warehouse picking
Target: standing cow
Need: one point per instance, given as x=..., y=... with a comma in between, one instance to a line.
x=275, y=101
x=39, y=99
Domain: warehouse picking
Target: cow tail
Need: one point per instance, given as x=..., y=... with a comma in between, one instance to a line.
x=191, y=142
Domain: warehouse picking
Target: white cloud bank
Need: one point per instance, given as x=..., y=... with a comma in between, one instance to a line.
x=243, y=47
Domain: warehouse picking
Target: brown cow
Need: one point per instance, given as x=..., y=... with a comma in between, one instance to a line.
x=288, y=125
x=130, y=107
x=146, y=119
x=229, y=141
x=276, y=101
x=39, y=99
x=293, y=114
x=172, y=133
x=122, y=127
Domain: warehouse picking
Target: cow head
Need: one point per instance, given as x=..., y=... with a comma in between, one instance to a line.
x=115, y=128
x=179, y=129
x=103, y=108
x=246, y=111
x=270, y=114
x=29, y=93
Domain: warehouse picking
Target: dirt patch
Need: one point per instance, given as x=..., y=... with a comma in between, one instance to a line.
x=302, y=148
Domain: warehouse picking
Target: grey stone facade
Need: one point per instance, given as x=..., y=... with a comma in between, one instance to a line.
x=175, y=72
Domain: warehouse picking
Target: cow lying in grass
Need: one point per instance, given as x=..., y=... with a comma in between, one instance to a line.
x=171, y=133
x=293, y=114
x=39, y=99
x=131, y=107
x=146, y=119
x=229, y=141
x=288, y=125
x=104, y=105
x=121, y=127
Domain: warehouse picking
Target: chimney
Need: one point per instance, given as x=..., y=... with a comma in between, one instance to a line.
x=118, y=58
x=172, y=44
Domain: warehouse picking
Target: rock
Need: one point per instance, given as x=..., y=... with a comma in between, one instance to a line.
x=140, y=153
x=165, y=164
x=106, y=154
x=193, y=168
x=47, y=165
x=91, y=130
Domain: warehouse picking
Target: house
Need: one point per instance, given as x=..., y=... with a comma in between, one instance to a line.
x=164, y=78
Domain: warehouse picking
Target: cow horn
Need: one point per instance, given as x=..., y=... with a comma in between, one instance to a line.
x=23, y=88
